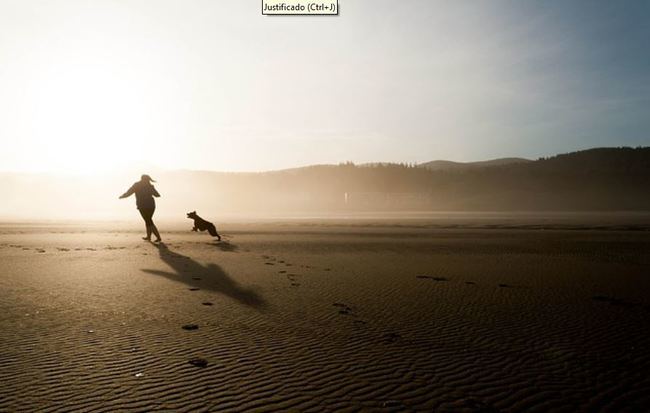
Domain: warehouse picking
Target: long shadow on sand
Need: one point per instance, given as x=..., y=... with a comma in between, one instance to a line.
x=209, y=277
x=225, y=246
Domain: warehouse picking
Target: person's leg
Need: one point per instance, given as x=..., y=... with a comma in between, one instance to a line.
x=156, y=233
x=153, y=227
x=146, y=216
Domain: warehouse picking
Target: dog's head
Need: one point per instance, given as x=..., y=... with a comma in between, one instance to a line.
x=192, y=215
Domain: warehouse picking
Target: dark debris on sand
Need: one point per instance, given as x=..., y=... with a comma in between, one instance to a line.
x=198, y=362
x=429, y=277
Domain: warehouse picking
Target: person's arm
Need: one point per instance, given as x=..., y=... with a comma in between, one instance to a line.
x=128, y=193
x=154, y=192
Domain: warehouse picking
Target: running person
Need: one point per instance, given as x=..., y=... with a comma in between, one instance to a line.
x=144, y=193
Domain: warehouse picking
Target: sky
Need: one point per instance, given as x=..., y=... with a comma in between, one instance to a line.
x=95, y=86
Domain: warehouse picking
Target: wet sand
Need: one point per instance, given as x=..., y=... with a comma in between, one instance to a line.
x=326, y=317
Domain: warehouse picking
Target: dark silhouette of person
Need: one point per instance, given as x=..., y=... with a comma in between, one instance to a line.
x=144, y=193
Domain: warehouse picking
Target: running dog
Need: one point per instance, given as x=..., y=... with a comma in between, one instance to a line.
x=201, y=224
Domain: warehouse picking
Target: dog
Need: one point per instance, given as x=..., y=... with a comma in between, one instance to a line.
x=201, y=224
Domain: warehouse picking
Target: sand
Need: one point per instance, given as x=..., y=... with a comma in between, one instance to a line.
x=311, y=316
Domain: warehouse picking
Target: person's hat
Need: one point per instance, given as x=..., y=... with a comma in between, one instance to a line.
x=146, y=177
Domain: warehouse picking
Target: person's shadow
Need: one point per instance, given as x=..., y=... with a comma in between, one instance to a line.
x=210, y=277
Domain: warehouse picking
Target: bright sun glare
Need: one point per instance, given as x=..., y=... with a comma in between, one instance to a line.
x=87, y=119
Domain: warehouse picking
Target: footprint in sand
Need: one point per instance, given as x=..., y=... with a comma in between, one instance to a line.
x=194, y=289
x=282, y=272
x=614, y=301
x=428, y=277
x=602, y=298
x=344, y=309
x=63, y=249
x=476, y=405
x=190, y=327
x=40, y=251
x=207, y=303
x=393, y=404
x=391, y=337
x=295, y=284
x=198, y=362
x=269, y=263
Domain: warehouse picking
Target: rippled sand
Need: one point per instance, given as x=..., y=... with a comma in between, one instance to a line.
x=325, y=318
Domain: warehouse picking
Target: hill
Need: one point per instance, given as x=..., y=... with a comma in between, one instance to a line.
x=602, y=179
x=441, y=165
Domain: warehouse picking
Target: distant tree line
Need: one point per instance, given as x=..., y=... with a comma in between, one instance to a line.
x=595, y=179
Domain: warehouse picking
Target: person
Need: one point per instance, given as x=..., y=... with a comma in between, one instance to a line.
x=144, y=193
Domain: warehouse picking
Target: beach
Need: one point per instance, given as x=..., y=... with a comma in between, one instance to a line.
x=325, y=316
